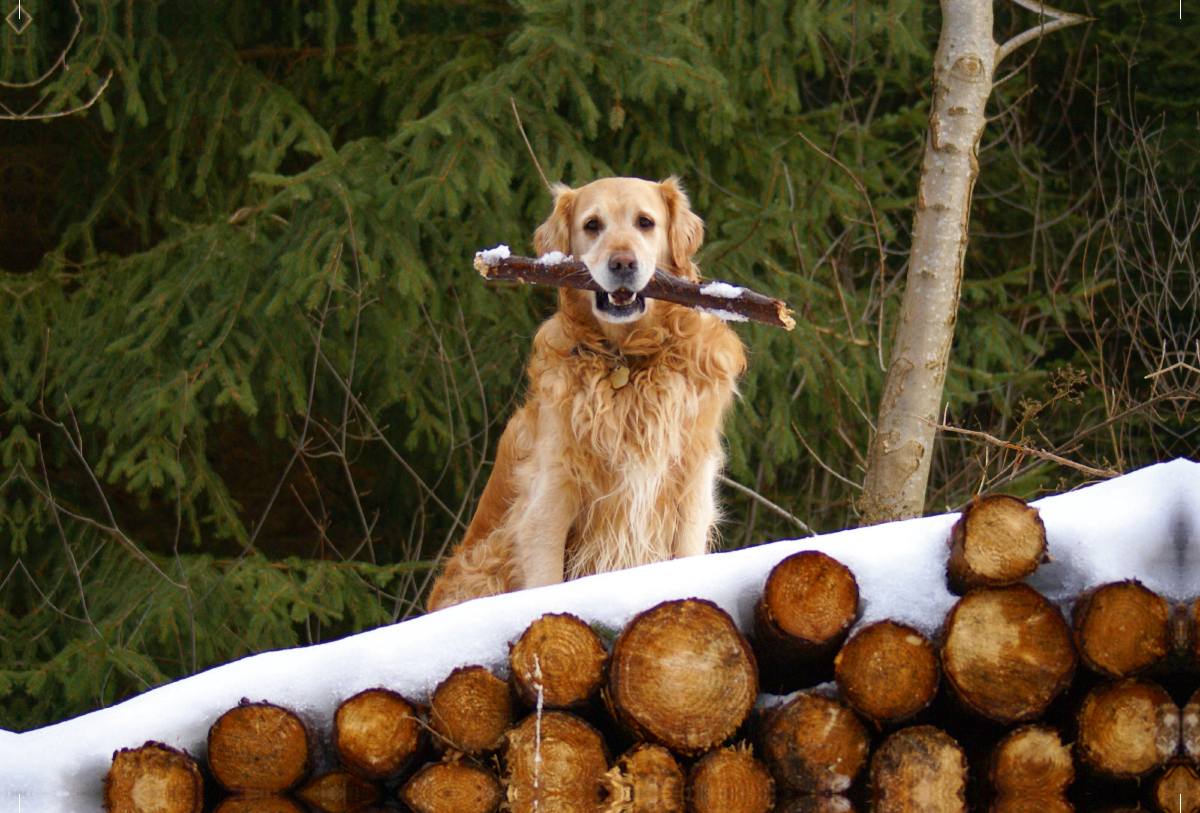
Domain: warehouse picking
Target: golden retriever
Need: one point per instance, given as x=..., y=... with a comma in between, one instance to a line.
x=613, y=458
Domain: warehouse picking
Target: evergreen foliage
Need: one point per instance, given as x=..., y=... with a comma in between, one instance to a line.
x=250, y=383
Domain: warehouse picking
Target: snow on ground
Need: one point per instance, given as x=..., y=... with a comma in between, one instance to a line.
x=1142, y=525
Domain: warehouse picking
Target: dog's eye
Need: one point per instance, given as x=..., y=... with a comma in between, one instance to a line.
x=645, y=223
x=592, y=225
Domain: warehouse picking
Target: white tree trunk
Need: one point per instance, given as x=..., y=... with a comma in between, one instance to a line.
x=899, y=456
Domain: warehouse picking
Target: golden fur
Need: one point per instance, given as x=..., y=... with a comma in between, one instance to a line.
x=591, y=477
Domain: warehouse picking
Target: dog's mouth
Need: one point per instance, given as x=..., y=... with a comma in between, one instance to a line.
x=621, y=305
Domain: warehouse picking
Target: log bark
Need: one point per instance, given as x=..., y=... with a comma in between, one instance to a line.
x=1007, y=652
x=376, y=733
x=1122, y=628
x=456, y=786
x=258, y=748
x=919, y=768
x=1177, y=790
x=998, y=540
x=554, y=763
x=646, y=779
x=470, y=711
x=1128, y=729
x=730, y=780
x=683, y=676
x=339, y=792
x=808, y=605
x=729, y=302
x=887, y=672
x=155, y=778
x=815, y=745
x=558, y=661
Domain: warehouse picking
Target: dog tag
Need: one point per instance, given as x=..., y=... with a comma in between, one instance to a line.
x=619, y=377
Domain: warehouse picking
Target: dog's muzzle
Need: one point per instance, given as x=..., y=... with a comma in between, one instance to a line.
x=621, y=300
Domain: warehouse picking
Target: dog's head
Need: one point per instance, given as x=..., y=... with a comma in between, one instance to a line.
x=622, y=229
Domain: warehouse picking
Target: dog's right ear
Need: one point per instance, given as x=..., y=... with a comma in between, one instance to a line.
x=555, y=233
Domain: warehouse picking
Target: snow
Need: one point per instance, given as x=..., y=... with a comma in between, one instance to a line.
x=721, y=313
x=552, y=258
x=1141, y=525
x=493, y=256
x=722, y=289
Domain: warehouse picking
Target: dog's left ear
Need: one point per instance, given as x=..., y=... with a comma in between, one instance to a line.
x=555, y=233
x=686, y=229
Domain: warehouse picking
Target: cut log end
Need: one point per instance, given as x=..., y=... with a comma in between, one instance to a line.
x=554, y=762
x=258, y=748
x=815, y=745
x=1007, y=652
x=1032, y=760
x=470, y=711
x=376, y=733
x=810, y=597
x=559, y=661
x=155, y=778
x=452, y=787
x=647, y=779
x=1128, y=729
x=683, y=675
x=269, y=803
x=887, y=672
x=1178, y=789
x=731, y=780
x=1122, y=628
x=339, y=792
x=998, y=540
x=919, y=768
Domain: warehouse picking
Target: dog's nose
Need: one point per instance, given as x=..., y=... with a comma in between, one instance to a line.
x=623, y=264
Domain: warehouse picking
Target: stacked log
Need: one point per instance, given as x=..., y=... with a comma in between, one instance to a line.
x=1011, y=706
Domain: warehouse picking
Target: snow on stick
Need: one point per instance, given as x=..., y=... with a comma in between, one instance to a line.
x=729, y=302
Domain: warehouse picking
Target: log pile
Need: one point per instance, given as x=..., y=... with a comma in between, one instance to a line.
x=1015, y=704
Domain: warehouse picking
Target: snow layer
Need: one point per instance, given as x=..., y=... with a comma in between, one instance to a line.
x=551, y=258
x=1141, y=525
x=721, y=313
x=722, y=289
x=492, y=256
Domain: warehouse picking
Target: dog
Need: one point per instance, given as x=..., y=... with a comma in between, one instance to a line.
x=612, y=460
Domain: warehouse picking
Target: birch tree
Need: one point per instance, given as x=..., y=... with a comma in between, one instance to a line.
x=899, y=457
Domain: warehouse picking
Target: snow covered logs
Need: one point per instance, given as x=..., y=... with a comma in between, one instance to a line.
x=901, y=721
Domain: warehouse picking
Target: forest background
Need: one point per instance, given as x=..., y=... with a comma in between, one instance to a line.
x=250, y=382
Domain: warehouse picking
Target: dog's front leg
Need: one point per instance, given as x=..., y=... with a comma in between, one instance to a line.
x=540, y=526
x=697, y=511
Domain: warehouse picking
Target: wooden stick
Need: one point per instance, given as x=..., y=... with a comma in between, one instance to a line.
x=729, y=302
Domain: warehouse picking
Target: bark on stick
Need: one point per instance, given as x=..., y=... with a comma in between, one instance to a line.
x=998, y=540
x=1128, y=729
x=730, y=780
x=683, y=676
x=809, y=603
x=456, y=786
x=887, y=672
x=1122, y=628
x=155, y=778
x=815, y=745
x=1007, y=652
x=376, y=733
x=559, y=661
x=470, y=711
x=730, y=302
x=339, y=792
x=646, y=779
x=258, y=748
x=555, y=763
x=919, y=768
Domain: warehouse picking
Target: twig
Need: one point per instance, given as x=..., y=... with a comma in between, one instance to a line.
x=1062, y=19
x=755, y=495
x=1105, y=474
x=521, y=127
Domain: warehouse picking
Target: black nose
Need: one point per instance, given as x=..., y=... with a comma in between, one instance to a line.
x=623, y=264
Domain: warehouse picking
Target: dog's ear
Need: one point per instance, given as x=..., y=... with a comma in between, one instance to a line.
x=686, y=228
x=555, y=233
